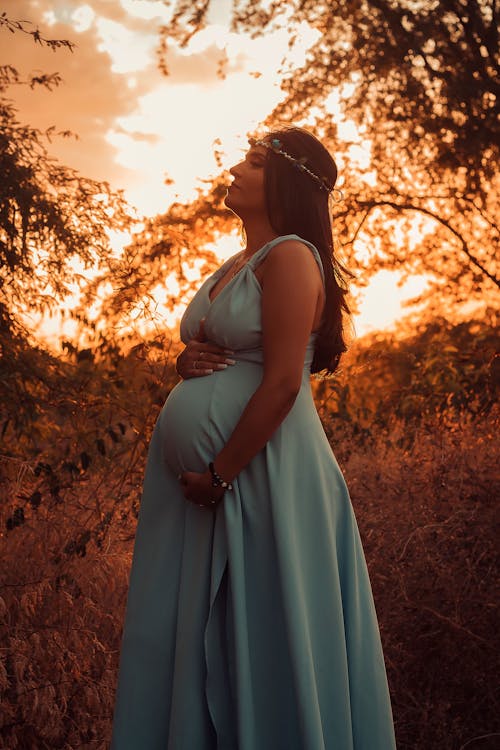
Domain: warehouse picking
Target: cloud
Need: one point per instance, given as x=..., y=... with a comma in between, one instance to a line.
x=112, y=68
x=212, y=53
x=93, y=93
x=134, y=124
x=203, y=67
x=128, y=50
x=150, y=138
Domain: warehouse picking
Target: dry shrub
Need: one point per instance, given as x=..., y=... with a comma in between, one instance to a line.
x=61, y=611
x=70, y=494
x=426, y=502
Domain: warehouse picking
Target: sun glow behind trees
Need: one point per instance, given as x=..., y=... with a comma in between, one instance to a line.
x=229, y=82
x=162, y=133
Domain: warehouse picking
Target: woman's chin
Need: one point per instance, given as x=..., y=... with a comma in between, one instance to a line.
x=230, y=203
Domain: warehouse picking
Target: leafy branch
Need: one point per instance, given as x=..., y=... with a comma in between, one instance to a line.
x=38, y=38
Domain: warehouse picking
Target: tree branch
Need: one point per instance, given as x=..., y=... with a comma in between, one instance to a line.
x=444, y=222
x=14, y=26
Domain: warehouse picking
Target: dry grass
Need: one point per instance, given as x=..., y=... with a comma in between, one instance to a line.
x=427, y=510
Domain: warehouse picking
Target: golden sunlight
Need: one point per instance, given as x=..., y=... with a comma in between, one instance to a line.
x=153, y=136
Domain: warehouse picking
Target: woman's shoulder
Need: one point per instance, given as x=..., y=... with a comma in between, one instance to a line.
x=288, y=240
x=292, y=248
x=290, y=264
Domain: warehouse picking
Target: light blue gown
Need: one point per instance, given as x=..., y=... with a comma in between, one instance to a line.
x=252, y=627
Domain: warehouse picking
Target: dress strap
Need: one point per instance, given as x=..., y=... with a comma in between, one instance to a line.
x=219, y=272
x=259, y=256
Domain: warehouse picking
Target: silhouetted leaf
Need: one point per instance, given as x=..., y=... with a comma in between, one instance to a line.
x=85, y=460
x=114, y=437
x=35, y=498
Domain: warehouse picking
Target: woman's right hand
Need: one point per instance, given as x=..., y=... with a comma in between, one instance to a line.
x=201, y=358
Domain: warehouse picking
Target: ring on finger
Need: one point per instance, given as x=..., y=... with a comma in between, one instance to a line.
x=195, y=365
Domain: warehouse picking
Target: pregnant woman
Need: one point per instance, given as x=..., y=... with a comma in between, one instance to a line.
x=250, y=622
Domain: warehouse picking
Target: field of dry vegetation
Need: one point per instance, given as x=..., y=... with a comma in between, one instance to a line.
x=412, y=423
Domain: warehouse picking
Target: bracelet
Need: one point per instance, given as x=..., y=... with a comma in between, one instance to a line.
x=217, y=480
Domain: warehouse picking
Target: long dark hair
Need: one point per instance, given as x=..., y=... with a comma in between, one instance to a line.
x=296, y=204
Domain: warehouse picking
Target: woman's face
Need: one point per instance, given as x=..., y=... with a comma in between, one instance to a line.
x=246, y=194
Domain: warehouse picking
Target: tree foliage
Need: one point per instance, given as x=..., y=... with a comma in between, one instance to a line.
x=54, y=223
x=421, y=81
x=441, y=368
x=168, y=245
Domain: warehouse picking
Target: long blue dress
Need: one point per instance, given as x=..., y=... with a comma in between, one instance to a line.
x=252, y=627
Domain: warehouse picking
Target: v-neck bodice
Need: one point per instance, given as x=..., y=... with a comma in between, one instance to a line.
x=233, y=318
x=221, y=276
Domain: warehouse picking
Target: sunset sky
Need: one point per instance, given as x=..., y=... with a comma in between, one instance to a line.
x=136, y=126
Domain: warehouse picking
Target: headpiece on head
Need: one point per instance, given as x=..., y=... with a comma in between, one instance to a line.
x=276, y=146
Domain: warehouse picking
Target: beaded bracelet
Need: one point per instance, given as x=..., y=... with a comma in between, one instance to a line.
x=217, y=480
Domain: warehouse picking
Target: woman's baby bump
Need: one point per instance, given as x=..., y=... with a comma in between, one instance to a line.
x=201, y=412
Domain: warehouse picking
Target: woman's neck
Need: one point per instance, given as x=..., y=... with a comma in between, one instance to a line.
x=257, y=234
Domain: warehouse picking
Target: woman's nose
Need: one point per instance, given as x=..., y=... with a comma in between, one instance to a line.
x=234, y=171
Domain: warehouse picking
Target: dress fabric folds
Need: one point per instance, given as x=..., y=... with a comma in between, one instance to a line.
x=252, y=627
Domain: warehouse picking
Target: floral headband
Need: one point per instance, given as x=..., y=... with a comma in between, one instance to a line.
x=275, y=146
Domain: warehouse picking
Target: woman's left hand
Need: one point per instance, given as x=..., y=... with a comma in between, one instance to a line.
x=198, y=489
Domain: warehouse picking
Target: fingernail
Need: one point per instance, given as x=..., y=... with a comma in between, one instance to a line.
x=208, y=372
x=231, y=361
x=220, y=367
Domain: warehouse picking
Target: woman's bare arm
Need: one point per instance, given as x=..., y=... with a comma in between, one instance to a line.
x=290, y=288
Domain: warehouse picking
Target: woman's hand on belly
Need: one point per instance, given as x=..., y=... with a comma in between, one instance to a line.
x=198, y=489
x=200, y=357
